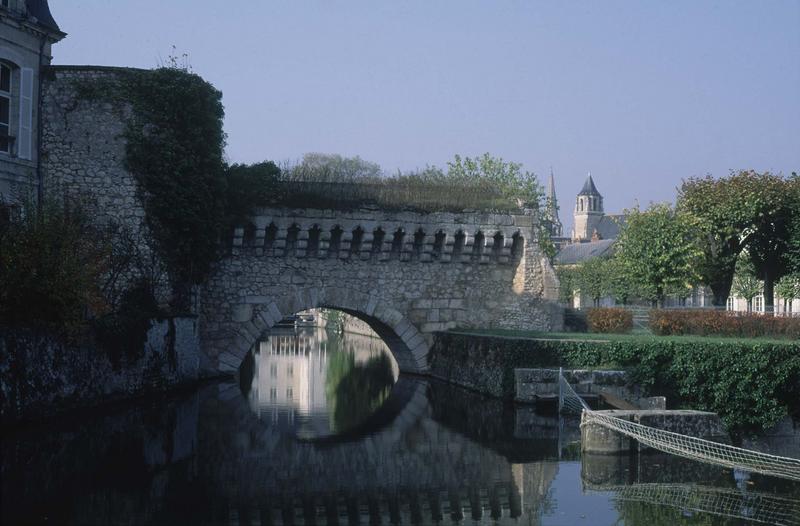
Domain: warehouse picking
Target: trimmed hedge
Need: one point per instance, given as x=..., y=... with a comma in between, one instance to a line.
x=610, y=320
x=749, y=384
x=722, y=323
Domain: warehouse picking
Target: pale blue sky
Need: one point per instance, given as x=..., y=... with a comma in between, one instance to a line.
x=642, y=94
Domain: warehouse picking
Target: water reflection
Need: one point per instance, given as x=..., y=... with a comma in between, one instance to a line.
x=442, y=455
x=314, y=381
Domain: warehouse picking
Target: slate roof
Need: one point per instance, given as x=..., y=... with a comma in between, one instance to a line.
x=609, y=225
x=589, y=188
x=40, y=10
x=575, y=253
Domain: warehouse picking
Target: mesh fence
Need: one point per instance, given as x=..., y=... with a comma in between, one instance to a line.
x=678, y=444
x=752, y=506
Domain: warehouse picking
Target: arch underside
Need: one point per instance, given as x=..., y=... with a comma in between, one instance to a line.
x=258, y=314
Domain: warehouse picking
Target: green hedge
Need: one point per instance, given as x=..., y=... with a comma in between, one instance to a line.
x=750, y=384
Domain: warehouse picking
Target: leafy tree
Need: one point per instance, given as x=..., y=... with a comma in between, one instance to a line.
x=793, y=252
x=745, y=209
x=724, y=209
x=592, y=279
x=618, y=283
x=507, y=177
x=767, y=240
x=568, y=283
x=51, y=265
x=788, y=288
x=333, y=168
x=658, y=250
x=745, y=282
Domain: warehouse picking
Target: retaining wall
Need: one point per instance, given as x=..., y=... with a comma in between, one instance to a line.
x=41, y=376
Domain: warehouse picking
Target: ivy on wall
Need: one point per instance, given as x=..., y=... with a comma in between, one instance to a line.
x=174, y=148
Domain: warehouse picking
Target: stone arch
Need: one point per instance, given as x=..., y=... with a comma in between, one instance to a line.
x=256, y=315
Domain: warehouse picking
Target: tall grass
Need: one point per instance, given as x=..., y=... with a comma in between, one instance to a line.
x=481, y=184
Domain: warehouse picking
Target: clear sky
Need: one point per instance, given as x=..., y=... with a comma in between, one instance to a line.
x=640, y=93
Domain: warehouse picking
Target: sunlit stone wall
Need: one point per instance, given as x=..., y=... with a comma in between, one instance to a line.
x=407, y=274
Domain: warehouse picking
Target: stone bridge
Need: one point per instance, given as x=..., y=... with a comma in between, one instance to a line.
x=406, y=274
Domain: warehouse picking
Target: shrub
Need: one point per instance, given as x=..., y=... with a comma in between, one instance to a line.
x=123, y=334
x=51, y=261
x=750, y=384
x=610, y=320
x=722, y=323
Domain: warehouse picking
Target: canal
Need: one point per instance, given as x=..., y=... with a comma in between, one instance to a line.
x=322, y=429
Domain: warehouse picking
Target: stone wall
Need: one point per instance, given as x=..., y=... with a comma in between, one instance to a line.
x=41, y=376
x=486, y=364
x=83, y=156
x=413, y=274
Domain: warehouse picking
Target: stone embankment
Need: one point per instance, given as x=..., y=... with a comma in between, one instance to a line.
x=41, y=376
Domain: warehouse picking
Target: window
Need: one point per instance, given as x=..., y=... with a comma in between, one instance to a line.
x=290, y=370
x=6, y=139
x=16, y=110
x=273, y=370
x=729, y=305
x=273, y=394
x=289, y=394
x=758, y=304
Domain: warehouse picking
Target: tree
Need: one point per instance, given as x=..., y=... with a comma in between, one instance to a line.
x=592, y=279
x=658, y=250
x=745, y=209
x=767, y=240
x=618, y=283
x=51, y=266
x=333, y=168
x=745, y=282
x=723, y=211
x=793, y=243
x=507, y=177
x=788, y=288
x=567, y=284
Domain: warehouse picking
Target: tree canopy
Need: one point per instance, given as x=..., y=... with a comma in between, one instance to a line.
x=747, y=209
x=658, y=250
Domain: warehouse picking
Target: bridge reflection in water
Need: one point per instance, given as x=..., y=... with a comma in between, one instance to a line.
x=430, y=454
x=312, y=381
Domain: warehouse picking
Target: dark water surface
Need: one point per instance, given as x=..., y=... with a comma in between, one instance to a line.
x=321, y=430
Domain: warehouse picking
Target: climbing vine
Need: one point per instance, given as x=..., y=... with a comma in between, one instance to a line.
x=174, y=149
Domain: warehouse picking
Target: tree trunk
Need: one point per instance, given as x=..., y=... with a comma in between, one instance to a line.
x=769, y=293
x=721, y=291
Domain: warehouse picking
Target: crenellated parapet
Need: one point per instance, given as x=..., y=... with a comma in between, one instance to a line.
x=367, y=235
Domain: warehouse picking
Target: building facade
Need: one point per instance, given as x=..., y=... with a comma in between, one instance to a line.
x=27, y=33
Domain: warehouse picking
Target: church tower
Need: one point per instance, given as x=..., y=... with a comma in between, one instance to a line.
x=588, y=211
x=551, y=209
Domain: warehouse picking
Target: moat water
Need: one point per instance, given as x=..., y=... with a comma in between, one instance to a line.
x=322, y=429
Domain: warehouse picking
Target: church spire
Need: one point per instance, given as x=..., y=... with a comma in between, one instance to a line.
x=551, y=210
